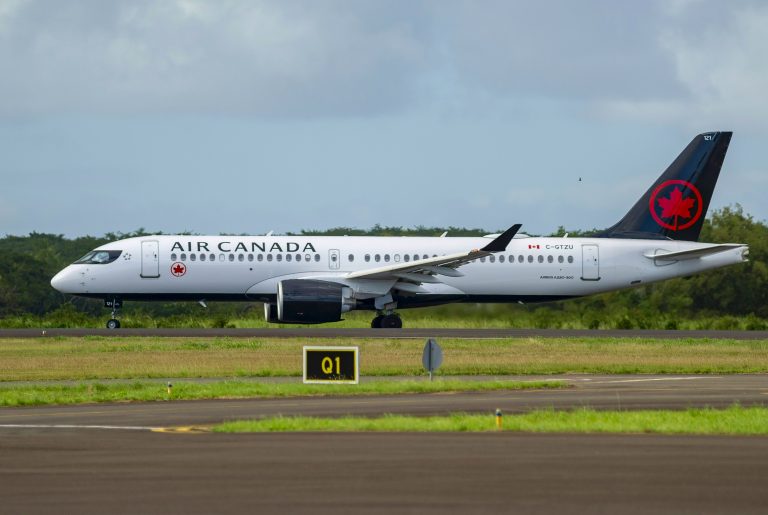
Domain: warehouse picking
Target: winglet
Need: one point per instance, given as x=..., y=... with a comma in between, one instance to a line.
x=500, y=243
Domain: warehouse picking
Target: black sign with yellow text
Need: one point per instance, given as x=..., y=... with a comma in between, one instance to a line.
x=331, y=364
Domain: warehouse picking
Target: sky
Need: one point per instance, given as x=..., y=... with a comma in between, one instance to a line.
x=249, y=116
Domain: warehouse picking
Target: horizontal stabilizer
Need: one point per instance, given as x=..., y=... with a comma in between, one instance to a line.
x=692, y=253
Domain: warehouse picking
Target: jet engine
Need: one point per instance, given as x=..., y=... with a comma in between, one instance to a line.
x=307, y=301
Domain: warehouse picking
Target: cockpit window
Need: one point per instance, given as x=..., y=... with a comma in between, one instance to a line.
x=99, y=257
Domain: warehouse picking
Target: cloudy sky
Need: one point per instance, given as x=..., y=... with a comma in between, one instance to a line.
x=244, y=116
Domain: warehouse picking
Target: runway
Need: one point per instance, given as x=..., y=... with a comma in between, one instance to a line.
x=416, y=333
x=79, y=470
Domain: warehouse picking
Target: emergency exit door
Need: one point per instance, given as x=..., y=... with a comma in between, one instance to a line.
x=150, y=260
x=590, y=262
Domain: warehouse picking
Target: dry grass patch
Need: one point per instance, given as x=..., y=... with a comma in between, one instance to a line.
x=136, y=357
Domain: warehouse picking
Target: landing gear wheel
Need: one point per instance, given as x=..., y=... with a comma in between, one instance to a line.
x=376, y=322
x=113, y=323
x=391, y=322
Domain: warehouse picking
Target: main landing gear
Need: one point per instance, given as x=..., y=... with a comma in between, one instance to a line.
x=390, y=321
x=115, y=304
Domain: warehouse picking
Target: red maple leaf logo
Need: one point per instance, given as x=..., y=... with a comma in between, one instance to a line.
x=178, y=269
x=677, y=206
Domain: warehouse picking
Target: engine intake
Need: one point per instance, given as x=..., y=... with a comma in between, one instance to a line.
x=307, y=301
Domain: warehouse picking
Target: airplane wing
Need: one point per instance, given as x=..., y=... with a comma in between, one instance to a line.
x=692, y=253
x=425, y=270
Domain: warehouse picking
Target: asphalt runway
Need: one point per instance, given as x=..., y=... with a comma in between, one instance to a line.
x=50, y=461
x=326, y=332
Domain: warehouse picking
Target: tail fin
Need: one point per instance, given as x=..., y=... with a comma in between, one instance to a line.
x=675, y=206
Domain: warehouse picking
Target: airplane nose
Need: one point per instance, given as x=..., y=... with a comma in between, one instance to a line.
x=62, y=282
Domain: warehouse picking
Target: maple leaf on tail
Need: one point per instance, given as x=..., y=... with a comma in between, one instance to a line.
x=677, y=206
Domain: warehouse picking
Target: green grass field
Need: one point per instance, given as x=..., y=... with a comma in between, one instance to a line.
x=36, y=395
x=732, y=421
x=94, y=358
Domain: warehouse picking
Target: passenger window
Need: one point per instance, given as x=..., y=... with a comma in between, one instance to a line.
x=231, y=257
x=279, y=257
x=550, y=259
x=269, y=257
x=288, y=257
x=492, y=259
x=317, y=257
x=260, y=257
x=570, y=259
x=351, y=258
x=298, y=257
x=183, y=257
x=406, y=258
x=213, y=257
x=192, y=257
x=482, y=259
x=415, y=257
x=501, y=258
x=559, y=259
x=541, y=258
x=425, y=256
x=240, y=258
x=202, y=257
x=530, y=259
x=377, y=258
x=307, y=257
x=520, y=258
x=173, y=257
x=367, y=258
x=397, y=258
x=386, y=258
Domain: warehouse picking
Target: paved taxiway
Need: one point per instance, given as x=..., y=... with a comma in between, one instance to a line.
x=80, y=470
x=128, y=472
x=325, y=332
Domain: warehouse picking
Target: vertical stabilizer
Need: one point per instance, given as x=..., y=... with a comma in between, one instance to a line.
x=675, y=206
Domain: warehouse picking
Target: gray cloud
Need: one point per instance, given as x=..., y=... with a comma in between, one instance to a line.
x=250, y=57
x=685, y=62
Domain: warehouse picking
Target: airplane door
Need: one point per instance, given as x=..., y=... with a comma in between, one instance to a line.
x=150, y=260
x=334, y=259
x=590, y=262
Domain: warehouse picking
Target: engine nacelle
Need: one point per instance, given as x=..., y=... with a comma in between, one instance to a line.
x=308, y=301
x=270, y=312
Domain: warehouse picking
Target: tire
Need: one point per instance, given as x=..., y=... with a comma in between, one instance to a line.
x=376, y=322
x=391, y=322
x=113, y=323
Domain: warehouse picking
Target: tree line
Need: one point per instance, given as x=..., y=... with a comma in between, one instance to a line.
x=27, y=264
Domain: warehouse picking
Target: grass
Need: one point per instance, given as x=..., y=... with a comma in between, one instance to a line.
x=610, y=311
x=94, y=358
x=36, y=395
x=732, y=421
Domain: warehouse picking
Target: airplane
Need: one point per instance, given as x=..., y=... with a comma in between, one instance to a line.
x=316, y=279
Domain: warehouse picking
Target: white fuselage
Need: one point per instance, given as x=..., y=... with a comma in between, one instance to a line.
x=250, y=267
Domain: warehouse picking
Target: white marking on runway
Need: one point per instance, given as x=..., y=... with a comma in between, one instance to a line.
x=75, y=426
x=655, y=379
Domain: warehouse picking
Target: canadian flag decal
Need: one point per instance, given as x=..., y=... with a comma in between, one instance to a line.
x=534, y=246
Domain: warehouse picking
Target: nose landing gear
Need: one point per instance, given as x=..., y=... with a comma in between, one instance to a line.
x=115, y=304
